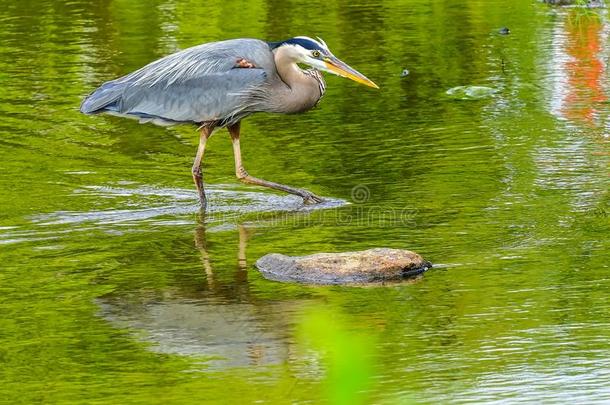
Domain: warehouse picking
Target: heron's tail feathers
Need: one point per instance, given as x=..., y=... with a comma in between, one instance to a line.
x=107, y=97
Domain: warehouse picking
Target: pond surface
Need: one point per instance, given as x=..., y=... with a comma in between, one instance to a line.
x=113, y=290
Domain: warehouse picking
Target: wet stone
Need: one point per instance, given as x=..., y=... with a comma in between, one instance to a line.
x=587, y=3
x=368, y=266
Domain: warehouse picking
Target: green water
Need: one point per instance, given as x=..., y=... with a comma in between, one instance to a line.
x=112, y=290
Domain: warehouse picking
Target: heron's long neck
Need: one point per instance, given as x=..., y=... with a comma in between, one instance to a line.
x=303, y=90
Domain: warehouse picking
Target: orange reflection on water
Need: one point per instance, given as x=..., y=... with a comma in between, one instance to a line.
x=584, y=70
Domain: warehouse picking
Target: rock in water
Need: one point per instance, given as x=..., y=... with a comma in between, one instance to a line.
x=586, y=3
x=368, y=266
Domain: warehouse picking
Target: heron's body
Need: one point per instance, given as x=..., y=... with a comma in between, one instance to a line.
x=218, y=84
x=205, y=85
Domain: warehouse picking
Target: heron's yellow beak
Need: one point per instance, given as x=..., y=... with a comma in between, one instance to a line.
x=337, y=67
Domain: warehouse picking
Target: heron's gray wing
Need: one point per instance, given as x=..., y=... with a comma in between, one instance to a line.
x=224, y=97
x=168, y=87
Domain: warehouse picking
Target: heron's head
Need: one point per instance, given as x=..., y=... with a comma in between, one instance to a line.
x=317, y=55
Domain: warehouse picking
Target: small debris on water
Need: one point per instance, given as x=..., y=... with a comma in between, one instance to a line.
x=470, y=92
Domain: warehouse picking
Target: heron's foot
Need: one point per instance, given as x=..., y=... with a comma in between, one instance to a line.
x=198, y=179
x=310, y=198
x=203, y=201
x=307, y=196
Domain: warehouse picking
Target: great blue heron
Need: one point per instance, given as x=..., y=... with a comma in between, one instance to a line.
x=217, y=84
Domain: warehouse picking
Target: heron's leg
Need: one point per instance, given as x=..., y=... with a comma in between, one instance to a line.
x=204, y=134
x=243, y=176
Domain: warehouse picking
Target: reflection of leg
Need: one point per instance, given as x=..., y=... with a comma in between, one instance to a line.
x=241, y=275
x=205, y=133
x=242, y=174
x=200, y=243
x=243, y=243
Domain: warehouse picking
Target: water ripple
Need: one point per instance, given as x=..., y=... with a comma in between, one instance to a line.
x=155, y=206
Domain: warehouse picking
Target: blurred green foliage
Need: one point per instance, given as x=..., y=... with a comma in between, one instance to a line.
x=347, y=356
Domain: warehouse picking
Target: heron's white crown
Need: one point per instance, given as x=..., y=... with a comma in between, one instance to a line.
x=306, y=56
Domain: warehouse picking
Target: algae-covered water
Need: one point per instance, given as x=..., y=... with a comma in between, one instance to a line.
x=114, y=290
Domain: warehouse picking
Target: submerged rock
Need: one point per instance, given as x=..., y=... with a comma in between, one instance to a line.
x=368, y=266
x=470, y=92
x=587, y=3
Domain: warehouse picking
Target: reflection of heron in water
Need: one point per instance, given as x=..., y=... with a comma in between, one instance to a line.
x=241, y=273
x=216, y=85
x=223, y=320
x=256, y=352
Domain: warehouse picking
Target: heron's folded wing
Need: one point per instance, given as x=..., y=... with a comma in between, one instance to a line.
x=190, y=66
x=214, y=97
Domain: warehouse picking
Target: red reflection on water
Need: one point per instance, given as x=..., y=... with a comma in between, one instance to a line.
x=585, y=69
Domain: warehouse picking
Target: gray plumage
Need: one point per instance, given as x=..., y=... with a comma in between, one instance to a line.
x=204, y=85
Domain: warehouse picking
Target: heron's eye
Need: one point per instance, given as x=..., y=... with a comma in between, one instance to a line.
x=315, y=54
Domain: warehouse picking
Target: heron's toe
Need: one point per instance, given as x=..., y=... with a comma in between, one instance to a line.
x=311, y=198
